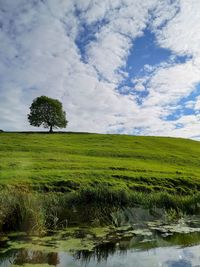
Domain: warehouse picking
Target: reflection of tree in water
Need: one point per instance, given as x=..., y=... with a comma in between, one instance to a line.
x=100, y=253
x=36, y=257
x=53, y=259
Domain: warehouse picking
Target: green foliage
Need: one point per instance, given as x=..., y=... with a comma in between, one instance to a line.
x=47, y=112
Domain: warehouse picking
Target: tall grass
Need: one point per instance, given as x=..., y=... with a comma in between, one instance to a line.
x=35, y=212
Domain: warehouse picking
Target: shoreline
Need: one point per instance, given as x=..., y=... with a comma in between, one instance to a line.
x=39, y=212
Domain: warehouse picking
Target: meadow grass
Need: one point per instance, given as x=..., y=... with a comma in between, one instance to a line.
x=48, y=180
x=67, y=162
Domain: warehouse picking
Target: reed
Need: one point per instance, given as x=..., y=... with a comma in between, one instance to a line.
x=38, y=212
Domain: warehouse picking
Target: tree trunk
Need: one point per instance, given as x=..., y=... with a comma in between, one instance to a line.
x=51, y=129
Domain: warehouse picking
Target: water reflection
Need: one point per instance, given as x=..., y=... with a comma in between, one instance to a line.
x=159, y=257
x=154, y=250
x=108, y=256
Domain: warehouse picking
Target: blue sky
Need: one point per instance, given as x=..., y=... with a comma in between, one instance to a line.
x=121, y=66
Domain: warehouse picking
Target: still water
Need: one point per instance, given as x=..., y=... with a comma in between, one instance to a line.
x=158, y=245
x=165, y=257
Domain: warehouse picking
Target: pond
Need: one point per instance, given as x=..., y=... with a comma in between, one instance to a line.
x=147, y=244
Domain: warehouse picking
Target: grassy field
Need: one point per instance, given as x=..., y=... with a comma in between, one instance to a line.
x=48, y=179
x=73, y=161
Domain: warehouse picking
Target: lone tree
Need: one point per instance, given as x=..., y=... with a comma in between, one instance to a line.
x=47, y=112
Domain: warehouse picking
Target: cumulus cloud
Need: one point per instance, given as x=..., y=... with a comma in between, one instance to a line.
x=170, y=84
x=182, y=34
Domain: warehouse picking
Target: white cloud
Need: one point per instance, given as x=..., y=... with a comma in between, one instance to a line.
x=197, y=104
x=190, y=104
x=168, y=85
x=139, y=83
x=139, y=87
x=39, y=55
x=108, y=54
x=113, y=41
x=182, y=33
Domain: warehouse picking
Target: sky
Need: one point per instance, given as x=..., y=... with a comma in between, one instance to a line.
x=118, y=66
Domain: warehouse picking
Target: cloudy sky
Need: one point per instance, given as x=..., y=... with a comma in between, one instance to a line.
x=118, y=66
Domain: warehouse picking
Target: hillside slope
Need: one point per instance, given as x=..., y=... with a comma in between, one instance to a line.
x=66, y=162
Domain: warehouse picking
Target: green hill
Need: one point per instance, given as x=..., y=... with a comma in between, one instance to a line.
x=48, y=179
x=67, y=162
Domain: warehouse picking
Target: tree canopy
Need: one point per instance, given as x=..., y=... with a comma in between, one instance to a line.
x=47, y=112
